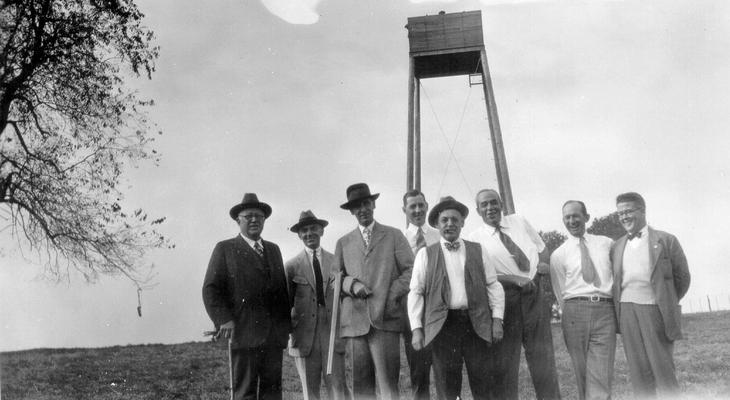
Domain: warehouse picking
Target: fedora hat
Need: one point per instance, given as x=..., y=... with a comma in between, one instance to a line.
x=356, y=193
x=446, y=203
x=307, y=218
x=250, y=200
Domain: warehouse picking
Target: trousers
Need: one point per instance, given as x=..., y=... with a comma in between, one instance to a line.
x=589, y=330
x=526, y=323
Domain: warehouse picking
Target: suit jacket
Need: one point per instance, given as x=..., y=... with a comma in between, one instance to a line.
x=385, y=268
x=239, y=287
x=669, y=278
x=303, y=295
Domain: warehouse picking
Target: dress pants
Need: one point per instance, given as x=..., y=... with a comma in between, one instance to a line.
x=419, y=365
x=589, y=330
x=526, y=323
x=256, y=372
x=455, y=345
x=374, y=357
x=313, y=368
x=648, y=351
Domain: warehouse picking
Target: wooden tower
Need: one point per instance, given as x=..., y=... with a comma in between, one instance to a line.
x=447, y=45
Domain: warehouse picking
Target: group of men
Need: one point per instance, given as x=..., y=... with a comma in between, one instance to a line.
x=476, y=302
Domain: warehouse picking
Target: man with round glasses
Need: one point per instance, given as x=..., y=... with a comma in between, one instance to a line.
x=650, y=276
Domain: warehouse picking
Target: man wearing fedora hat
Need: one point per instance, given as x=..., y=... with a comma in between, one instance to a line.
x=245, y=294
x=376, y=262
x=312, y=298
x=450, y=309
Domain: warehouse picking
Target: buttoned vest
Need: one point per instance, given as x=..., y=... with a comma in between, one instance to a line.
x=438, y=290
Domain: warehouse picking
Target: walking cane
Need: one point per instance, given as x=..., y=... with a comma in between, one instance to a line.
x=335, y=320
x=230, y=368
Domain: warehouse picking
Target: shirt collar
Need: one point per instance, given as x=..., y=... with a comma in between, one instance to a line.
x=460, y=240
x=414, y=229
x=310, y=251
x=575, y=239
x=370, y=227
x=252, y=242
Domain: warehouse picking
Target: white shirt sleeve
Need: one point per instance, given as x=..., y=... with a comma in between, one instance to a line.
x=557, y=275
x=494, y=288
x=534, y=236
x=417, y=286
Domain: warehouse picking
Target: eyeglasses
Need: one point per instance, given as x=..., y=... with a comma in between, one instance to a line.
x=251, y=217
x=624, y=213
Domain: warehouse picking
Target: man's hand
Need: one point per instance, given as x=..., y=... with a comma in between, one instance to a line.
x=543, y=268
x=226, y=330
x=360, y=290
x=497, y=330
x=392, y=307
x=417, y=339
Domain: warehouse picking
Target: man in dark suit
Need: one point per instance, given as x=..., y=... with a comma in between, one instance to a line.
x=308, y=275
x=650, y=277
x=376, y=263
x=245, y=294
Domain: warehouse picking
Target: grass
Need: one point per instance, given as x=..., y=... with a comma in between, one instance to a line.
x=199, y=370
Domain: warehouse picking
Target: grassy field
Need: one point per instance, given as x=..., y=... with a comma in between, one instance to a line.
x=199, y=370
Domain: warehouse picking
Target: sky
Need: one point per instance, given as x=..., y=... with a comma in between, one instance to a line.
x=296, y=102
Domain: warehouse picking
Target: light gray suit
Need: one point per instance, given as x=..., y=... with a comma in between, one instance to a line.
x=372, y=325
x=649, y=331
x=311, y=322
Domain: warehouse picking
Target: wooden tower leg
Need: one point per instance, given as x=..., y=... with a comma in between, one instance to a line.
x=409, y=155
x=417, y=136
x=500, y=161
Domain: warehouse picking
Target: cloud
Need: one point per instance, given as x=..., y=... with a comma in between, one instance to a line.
x=302, y=12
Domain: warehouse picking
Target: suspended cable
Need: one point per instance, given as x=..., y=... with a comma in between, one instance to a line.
x=450, y=146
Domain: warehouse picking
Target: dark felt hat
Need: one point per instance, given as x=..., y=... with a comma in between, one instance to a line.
x=357, y=193
x=307, y=218
x=446, y=203
x=250, y=200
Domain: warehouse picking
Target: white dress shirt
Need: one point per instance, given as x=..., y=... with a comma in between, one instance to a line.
x=454, y=263
x=566, y=271
x=636, y=284
x=524, y=236
x=430, y=234
x=310, y=254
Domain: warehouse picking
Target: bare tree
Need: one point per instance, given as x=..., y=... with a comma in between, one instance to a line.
x=68, y=129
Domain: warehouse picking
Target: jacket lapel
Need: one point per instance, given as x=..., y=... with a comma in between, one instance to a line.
x=655, y=248
x=356, y=237
x=252, y=258
x=377, y=235
x=307, y=268
x=618, y=259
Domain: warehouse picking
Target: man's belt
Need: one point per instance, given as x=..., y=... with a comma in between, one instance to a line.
x=591, y=299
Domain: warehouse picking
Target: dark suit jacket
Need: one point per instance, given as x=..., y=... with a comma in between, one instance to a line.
x=385, y=268
x=303, y=294
x=238, y=287
x=669, y=278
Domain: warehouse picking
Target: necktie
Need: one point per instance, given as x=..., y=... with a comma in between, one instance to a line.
x=520, y=258
x=587, y=269
x=258, y=249
x=366, y=236
x=420, y=239
x=634, y=235
x=318, y=278
x=452, y=246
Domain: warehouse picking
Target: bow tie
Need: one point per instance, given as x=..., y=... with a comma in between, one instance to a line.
x=634, y=235
x=452, y=246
